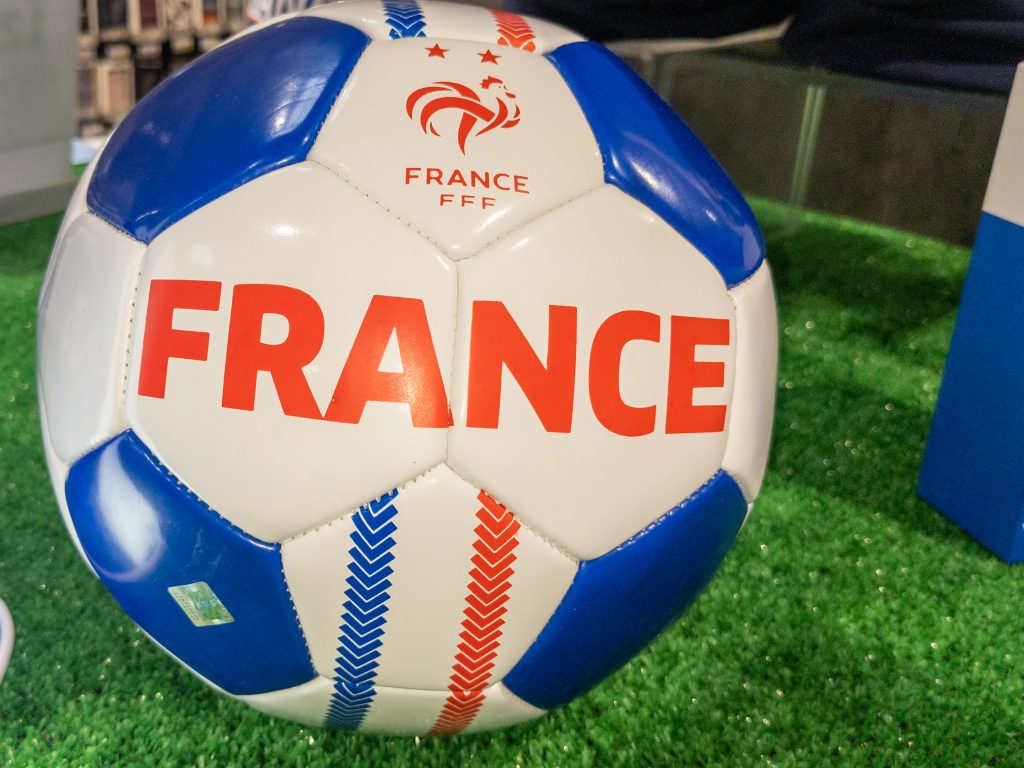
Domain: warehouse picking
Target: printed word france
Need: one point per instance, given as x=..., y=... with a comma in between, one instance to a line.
x=496, y=344
x=459, y=182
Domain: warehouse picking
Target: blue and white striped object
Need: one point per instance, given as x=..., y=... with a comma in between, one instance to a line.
x=971, y=469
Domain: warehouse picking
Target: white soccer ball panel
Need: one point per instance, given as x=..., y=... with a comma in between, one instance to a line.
x=58, y=471
x=501, y=709
x=277, y=458
x=305, y=703
x=415, y=713
x=461, y=149
x=84, y=326
x=453, y=21
x=757, y=344
x=77, y=207
x=436, y=536
x=590, y=485
x=394, y=710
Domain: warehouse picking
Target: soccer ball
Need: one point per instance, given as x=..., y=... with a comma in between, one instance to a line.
x=405, y=366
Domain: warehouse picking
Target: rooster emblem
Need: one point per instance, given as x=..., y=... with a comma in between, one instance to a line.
x=477, y=117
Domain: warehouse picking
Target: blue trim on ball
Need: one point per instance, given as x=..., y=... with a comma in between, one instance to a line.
x=247, y=108
x=620, y=601
x=405, y=19
x=144, y=533
x=650, y=154
x=364, y=613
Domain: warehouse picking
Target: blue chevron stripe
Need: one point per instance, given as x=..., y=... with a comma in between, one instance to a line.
x=405, y=17
x=363, y=616
x=349, y=704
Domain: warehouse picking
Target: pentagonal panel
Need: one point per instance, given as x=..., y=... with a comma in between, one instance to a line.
x=620, y=601
x=84, y=322
x=240, y=111
x=464, y=141
x=275, y=328
x=652, y=155
x=753, y=410
x=392, y=710
x=595, y=357
x=209, y=593
x=399, y=19
x=433, y=585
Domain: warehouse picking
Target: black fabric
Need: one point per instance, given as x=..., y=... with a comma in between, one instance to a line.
x=618, y=19
x=972, y=44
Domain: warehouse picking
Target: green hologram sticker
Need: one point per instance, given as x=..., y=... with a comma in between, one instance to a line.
x=200, y=604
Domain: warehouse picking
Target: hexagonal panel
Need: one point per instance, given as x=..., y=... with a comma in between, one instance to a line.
x=451, y=21
x=594, y=364
x=248, y=313
x=390, y=595
x=305, y=703
x=464, y=141
x=417, y=712
x=84, y=322
x=757, y=352
x=393, y=710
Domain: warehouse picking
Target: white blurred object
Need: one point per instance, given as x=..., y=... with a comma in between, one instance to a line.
x=84, y=149
x=6, y=638
x=261, y=10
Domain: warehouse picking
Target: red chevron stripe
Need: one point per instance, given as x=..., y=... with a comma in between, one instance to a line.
x=485, y=605
x=488, y=581
x=489, y=594
x=462, y=658
x=494, y=551
x=483, y=615
x=461, y=682
x=474, y=647
x=483, y=620
x=514, y=30
x=487, y=538
x=472, y=669
x=474, y=639
x=490, y=566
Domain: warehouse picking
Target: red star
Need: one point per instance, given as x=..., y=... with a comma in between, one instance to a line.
x=437, y=51
x=488, y=58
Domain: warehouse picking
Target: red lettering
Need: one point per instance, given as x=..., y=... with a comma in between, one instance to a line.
x=520, y=184
x=496, y=342
x=477, y=179
x=433, y=175
x=486, y=202
x=686, y=374
x=410, y=174
x=447, y=197
x=456, y=177
x=161, y=341
x=247, y=355
x=605, y=368
x=497, y=182
x=419, y=384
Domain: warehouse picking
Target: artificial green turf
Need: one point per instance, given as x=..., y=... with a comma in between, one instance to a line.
x=850, y=625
